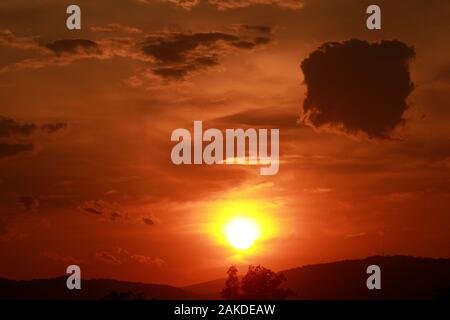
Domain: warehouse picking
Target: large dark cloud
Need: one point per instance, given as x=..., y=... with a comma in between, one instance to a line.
x=12, y=149
x=10, y=127
x=73, y=46
x=358, y=87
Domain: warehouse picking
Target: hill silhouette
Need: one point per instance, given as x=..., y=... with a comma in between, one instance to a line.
x=95, y=289
x=402, y=277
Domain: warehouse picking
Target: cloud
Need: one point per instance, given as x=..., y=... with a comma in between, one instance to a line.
x=170, y=55
x=102, y=208
x=66, y=260
x=121, y=255
x=261, y=29
x=12, y=149
x=73, y=46
x=358, y=87
x=107, y=257
x=174, y=48
x=148, y=221
x=53, y=127
x=263, y=117
x=9, y=39
x=178, y=54
x=116, y=28
x=234, y=4
x=10, y=127
x=29, y=203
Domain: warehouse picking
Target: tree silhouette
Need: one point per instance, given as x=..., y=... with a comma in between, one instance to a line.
x=258, y=284
x=231, y=290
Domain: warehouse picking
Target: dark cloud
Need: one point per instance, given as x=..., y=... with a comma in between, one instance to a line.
x=148, y=221
x=28, y=203
x=357, y=86
x=53, y=127
x=115, y=215
x=73, y=46
x=243, y=44
x=174, y=48
x=171, y=55
x=261, y=28
x=177, y=54
x=173, y=72
x=92, y=210
x=235, y=4
x=102, y=208
x=10, y=127
x=8, y=150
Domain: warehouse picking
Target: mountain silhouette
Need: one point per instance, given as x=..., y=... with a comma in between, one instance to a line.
x=95, y=289
x=402, y=277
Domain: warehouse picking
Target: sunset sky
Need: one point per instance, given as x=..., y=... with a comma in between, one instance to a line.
x=86, y=117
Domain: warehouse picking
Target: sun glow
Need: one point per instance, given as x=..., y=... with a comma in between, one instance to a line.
x=242, y=233
x=245, y=226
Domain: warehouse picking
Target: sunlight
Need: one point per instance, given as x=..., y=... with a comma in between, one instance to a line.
x=243, y=225
x=242, y=232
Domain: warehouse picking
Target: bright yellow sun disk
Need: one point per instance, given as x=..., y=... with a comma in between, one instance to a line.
x=242, y=233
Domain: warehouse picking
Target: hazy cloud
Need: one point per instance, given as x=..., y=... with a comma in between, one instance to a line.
x=356, y=86
x=73, y=46
x=117, y=28
x=9, y=39
x=102, y=208
x=65, y=260
x=29, y=203
x=53, y=127
x=234, y=4
x=121, y=255
x=264, y=117
x=107, y=257
x=10, y=127
x=12, y=149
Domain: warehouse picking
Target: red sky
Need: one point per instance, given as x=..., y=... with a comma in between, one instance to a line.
x=86, y=118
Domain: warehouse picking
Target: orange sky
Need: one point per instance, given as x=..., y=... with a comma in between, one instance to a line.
x=90, y=180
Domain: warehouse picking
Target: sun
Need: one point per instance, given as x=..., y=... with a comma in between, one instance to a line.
x=242, y=232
